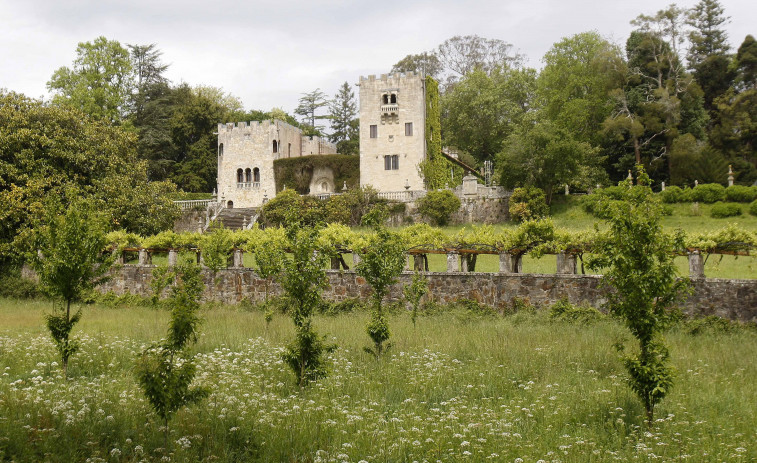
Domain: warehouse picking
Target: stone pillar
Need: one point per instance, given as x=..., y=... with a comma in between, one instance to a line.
x=144, y=257
x=464, y=263
x=566, y=264
x=696, y=265
x=696, y=183
x=418, y=263
x=119, y=257
x=509, y=263
x=567, y=190
x=238, y=261
x=334, y=263
x=200, y=225
x=173, y=257
x=453, y=262
x=730, y=175
x=355, y=259
x=408, y=266
x=663, y=186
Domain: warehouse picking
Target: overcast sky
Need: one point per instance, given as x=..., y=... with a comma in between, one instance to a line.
x=269, y=52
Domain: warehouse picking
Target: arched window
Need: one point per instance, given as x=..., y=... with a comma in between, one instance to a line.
x=386, y=99
x=240, y=176
x=230, y=205
x=220, y=150
x=275, y=146
x=394, y=98
x=247, y=175
x=256, y=175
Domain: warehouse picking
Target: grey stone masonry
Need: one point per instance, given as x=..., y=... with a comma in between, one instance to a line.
x=696, y=265
x=733, y=299
x=566, y=264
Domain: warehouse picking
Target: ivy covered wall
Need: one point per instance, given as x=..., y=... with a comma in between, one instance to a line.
x=435, y=168
x=297, y=173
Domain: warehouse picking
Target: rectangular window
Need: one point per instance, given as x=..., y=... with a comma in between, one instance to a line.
x=374, y=131
x=391, y=162
x=408, y=129
x=387, y=163
x=395, y=162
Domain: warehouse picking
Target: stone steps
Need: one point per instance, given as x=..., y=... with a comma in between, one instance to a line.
x=234, y=219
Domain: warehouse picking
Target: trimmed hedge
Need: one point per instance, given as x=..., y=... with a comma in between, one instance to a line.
x=297, y=173
x=753, y=208
x=722, y=210
x=708, y=193
x=741, y=194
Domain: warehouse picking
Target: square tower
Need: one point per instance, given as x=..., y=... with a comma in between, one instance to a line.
x=392, y=131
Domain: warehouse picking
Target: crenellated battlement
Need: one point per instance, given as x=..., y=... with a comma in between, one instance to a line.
x=387, y=77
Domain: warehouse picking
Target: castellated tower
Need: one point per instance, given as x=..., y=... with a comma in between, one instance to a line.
x=392, y=131
x=246, y=151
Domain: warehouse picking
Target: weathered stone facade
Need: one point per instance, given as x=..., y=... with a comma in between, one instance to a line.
x=392, y=131
x=246, y=152
x=734, y=299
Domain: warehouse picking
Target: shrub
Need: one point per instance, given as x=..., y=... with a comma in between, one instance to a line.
x=528, y=203
x=673, y=194
x=438, y=205
x=741, y=193
x=721, y=210
x=15, y=287
x=565, y=311
x=712, y=324
x=753, y=207
x=708, y=193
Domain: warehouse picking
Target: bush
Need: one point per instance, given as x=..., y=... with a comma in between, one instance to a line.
x=14, y=287
x=438, y=205
x=565, y=311
x=721, y=210
x=712, y=324
x=708, y=193
x=753, y=207
x=528, y=203
x=741, y=193
x=673, y=194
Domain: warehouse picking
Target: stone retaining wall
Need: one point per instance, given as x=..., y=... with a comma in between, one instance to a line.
x=733, y=299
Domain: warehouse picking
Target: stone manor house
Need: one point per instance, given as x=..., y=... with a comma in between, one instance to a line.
x=392, y=144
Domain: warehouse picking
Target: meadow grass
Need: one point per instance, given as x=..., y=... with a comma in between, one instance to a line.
x=458, y=386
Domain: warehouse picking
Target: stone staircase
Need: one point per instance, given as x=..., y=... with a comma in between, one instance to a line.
x=234, y=219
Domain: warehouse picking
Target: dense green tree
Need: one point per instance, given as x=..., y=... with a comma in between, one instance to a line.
x=483, y=109
x=746, y=63
x=426, y=64
x=309, y=107
x=45, y=149
x=344, y=121
x=708, y=53
x=573, y=88
x=545, y=156
x=100, y=81
x=194, y=119
x=148, y=71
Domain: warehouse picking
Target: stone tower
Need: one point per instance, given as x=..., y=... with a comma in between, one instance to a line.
x=392, y=131
x=246, y=151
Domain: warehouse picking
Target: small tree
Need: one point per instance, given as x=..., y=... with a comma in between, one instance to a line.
x=380, y=264
x=414, y=292
x=269, y=255
x=164, y=370
x=638, y=256
x=438, y=206
x=303, y=279
x=71, y=261
x=528, y=203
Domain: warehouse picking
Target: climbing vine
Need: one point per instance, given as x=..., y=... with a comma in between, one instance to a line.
x=435, y=169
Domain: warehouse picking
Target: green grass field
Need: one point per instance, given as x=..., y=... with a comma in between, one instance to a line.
x=457, y=387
